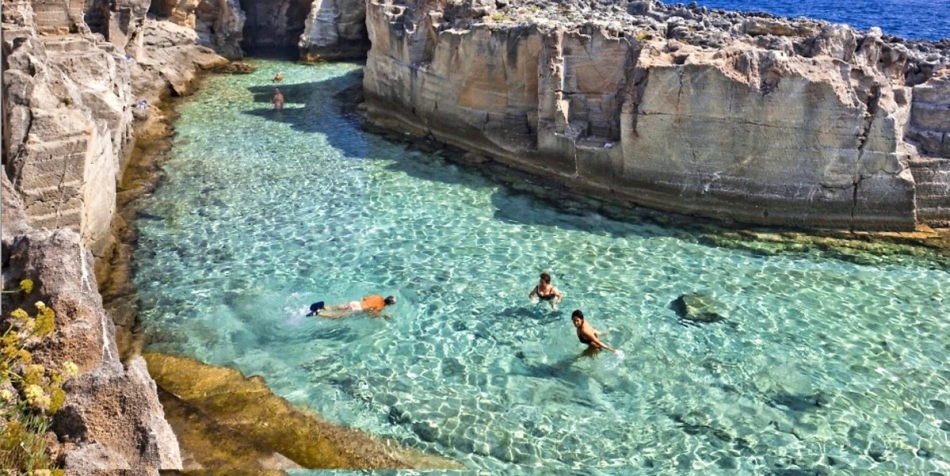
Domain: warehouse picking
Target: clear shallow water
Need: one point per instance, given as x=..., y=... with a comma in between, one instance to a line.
x=913, y=19
x=821, y=363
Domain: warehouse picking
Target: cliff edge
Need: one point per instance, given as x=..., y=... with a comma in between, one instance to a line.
x=740, y=117
x=72, y=101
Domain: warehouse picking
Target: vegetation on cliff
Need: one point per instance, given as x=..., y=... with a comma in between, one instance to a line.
x=30, y=393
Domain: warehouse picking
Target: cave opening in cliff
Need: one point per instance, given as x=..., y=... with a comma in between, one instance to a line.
x=273, y=27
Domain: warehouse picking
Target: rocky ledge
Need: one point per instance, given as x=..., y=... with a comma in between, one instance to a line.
x=741, y=117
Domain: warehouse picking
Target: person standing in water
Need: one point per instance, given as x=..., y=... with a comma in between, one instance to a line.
x=544, y=291
x=278, y=99
x=587, y=334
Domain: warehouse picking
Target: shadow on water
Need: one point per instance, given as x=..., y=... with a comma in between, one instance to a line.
x=321, y=107
x=307, y=107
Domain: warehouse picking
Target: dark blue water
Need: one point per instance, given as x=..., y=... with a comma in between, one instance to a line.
x=912, y=19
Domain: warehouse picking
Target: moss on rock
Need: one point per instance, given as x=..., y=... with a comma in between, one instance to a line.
x=259, y=428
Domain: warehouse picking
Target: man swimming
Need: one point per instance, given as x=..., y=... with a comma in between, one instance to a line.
x=586, y=332
x=372, y=304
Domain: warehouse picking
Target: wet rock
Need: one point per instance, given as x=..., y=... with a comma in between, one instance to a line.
x=799, y=403
x=696, y=308
x=234, y=68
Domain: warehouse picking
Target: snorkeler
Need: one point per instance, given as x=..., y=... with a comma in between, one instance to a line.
x=372, y=304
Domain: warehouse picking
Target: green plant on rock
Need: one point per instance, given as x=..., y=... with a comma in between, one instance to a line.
x=30, y=393
x=499, y=17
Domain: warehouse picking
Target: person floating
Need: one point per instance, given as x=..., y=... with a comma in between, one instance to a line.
x=278, y=99
x=278, y=77
x=586, y=332
x=372, y=304
x=544, y=291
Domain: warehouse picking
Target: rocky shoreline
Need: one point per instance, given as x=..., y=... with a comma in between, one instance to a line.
x=738, y=117
x=531, y=88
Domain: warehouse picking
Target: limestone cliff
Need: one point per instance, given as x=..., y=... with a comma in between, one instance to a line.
x=740, y=117
x=69, y=118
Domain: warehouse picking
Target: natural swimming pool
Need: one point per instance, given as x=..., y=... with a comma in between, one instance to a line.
x=821, y=362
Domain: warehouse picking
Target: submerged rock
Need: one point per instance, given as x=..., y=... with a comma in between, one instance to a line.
x=697, y=308
x=245, y=414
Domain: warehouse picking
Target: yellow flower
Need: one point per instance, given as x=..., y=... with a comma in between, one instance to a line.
x=24, y=356
x=19, y=314
x=40, y=304
x=33, y=375
x=70, y=368
x=57, y=398
x=41, y=403
x=44, y=321
x=41, y=472
x=27, y=285
x=32, y=392
x=6, y=396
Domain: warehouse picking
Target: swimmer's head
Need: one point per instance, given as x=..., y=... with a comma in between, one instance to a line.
x=390, y=300
x=577, y=317
x=545, y=278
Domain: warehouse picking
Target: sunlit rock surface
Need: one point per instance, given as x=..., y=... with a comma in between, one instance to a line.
x=247, y=415
x=744, y=118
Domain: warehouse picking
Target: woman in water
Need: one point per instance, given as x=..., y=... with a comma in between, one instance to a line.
x=544, y=291
x=587, y=334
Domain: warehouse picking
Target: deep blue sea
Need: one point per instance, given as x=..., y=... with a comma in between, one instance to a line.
x=912, y=19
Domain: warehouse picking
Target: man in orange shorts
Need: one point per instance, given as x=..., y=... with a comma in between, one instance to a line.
x=372, y=304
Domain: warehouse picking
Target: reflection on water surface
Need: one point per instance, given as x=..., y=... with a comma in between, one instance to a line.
x=820, y=363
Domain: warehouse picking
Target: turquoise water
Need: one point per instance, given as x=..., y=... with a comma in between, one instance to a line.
x=821, y=364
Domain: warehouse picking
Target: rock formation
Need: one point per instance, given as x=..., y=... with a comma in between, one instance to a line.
x=68, y=123
x=112, y=418
x=334, y=29
x=747, y=118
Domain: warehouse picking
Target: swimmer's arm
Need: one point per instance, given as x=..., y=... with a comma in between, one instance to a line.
x=600, y=344
x=557, y=295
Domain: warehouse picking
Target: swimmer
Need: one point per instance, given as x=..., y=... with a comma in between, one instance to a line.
x=372, y=304
x=546, y=292
x=278, y=77
x=587, y=334
x=278, y=99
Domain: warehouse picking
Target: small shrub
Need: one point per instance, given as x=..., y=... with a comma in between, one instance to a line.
x=30, y=393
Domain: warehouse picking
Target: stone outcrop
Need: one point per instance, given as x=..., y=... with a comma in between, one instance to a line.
x=219, y=23
x=747, y=118
x=290, y=438
x=68, y=125
x=112, y=419
x=334, y=29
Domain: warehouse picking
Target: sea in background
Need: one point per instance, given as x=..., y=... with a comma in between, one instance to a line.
x=911, y=19
x=821, y=363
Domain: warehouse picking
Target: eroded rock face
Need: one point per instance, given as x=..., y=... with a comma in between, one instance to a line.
x=66, y=129
x=334, y=29
x=750, y=118
x=67, y=137
x=112, y=419
x=274, y=25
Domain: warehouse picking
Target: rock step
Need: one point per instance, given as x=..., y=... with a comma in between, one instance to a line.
x=58, y=142
x=36, y=192
x=74, y=44
x=58, y=219
x=932, y=177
